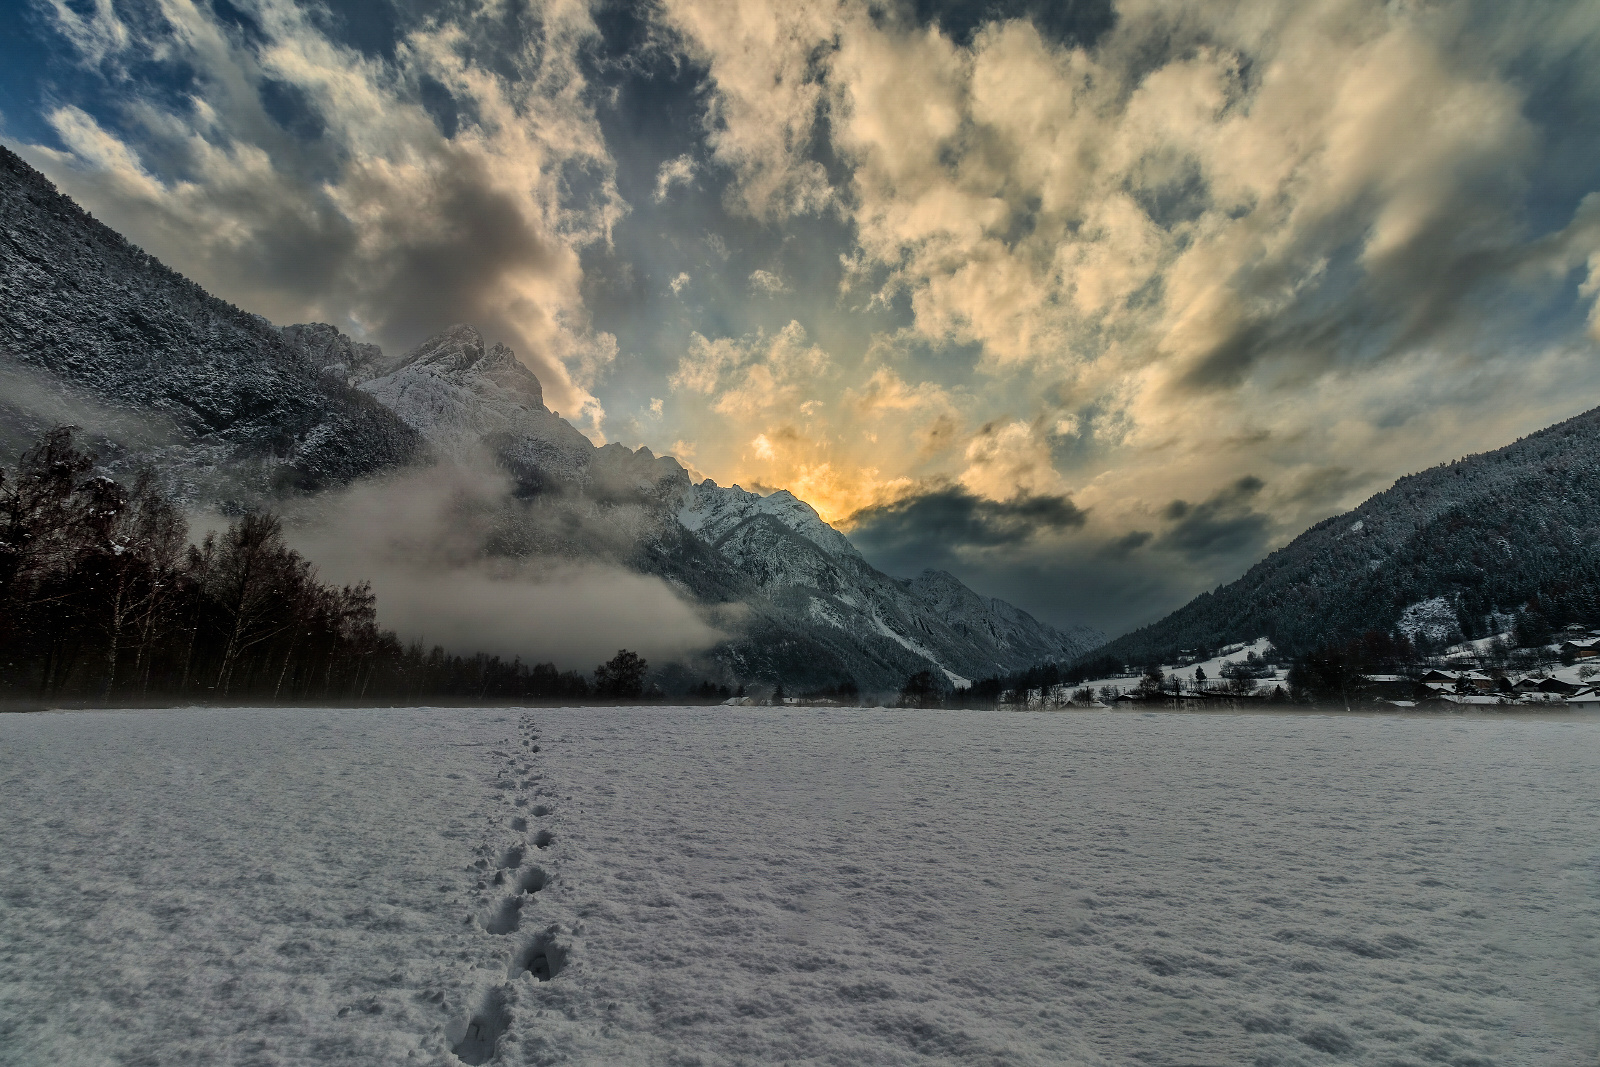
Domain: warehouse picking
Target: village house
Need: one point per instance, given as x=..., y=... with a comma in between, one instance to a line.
x=1389, y=686
x=1476, y=679
x=1585, y=699
x=1581, y=648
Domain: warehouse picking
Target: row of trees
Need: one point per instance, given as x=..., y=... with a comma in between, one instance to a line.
x=103, y=596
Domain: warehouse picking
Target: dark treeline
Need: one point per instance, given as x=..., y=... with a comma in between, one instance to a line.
x=103, y=597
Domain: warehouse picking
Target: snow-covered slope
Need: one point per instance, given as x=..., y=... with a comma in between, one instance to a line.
x=461, y=395
x=112, y=331
x=332, y=353
x=712, y=512
x=987, y=618
x=934, y=616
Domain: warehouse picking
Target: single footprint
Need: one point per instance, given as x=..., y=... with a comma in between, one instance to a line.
x=542, y=839
x=505, y=918
x=511, y=858
x=531, y=880
x=540, y=810
x=541, y=957
x=519, y=824
x=481, y=1033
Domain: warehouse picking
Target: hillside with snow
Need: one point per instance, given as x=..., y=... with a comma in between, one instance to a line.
x=95, y=331
x=1450, y=552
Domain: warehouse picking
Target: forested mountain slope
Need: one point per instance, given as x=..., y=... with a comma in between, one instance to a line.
x=1513, y=529
x=230, y=406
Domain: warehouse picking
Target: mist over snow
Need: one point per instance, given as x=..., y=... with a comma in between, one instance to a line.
x=445, y=548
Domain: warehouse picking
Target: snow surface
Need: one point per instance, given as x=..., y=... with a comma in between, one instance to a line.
x=1232, y=654
x=840, y=886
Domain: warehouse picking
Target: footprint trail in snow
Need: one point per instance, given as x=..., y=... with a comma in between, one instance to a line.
x=508, y=898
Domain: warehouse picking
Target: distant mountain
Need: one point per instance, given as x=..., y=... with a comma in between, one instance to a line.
x=230, y=407
x=819, y=613
x=1451, y=551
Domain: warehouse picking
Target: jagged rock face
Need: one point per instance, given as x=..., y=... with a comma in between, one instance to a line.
x=461, y=396
x=989, y=620
x=934, y=618
x=248, y=413
x=332, y=353
x=712, y=511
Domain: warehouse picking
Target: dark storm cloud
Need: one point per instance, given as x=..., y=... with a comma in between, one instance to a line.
x=1224, y=524
x=391, y=196
x=1127, y=544
x=953, y=518
x=1326, y=486
x=477, y=235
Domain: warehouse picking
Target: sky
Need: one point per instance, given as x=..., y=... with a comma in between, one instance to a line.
x=1092, y=304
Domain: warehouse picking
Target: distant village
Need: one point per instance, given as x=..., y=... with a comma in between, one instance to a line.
x=1564, y=675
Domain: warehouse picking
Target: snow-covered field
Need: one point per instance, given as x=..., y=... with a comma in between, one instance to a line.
x=744, y=885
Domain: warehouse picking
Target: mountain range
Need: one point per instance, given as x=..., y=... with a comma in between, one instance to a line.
x=235, y=413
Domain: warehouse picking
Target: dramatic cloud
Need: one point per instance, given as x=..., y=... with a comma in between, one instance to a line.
x=1221, y=525
x=456, y=180
x=1209, y=272
x=952, y=517
x=1182, y=239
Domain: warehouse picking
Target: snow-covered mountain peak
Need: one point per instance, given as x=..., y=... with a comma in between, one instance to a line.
x=456, y=392
x=458, y=354
x=712, y=512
